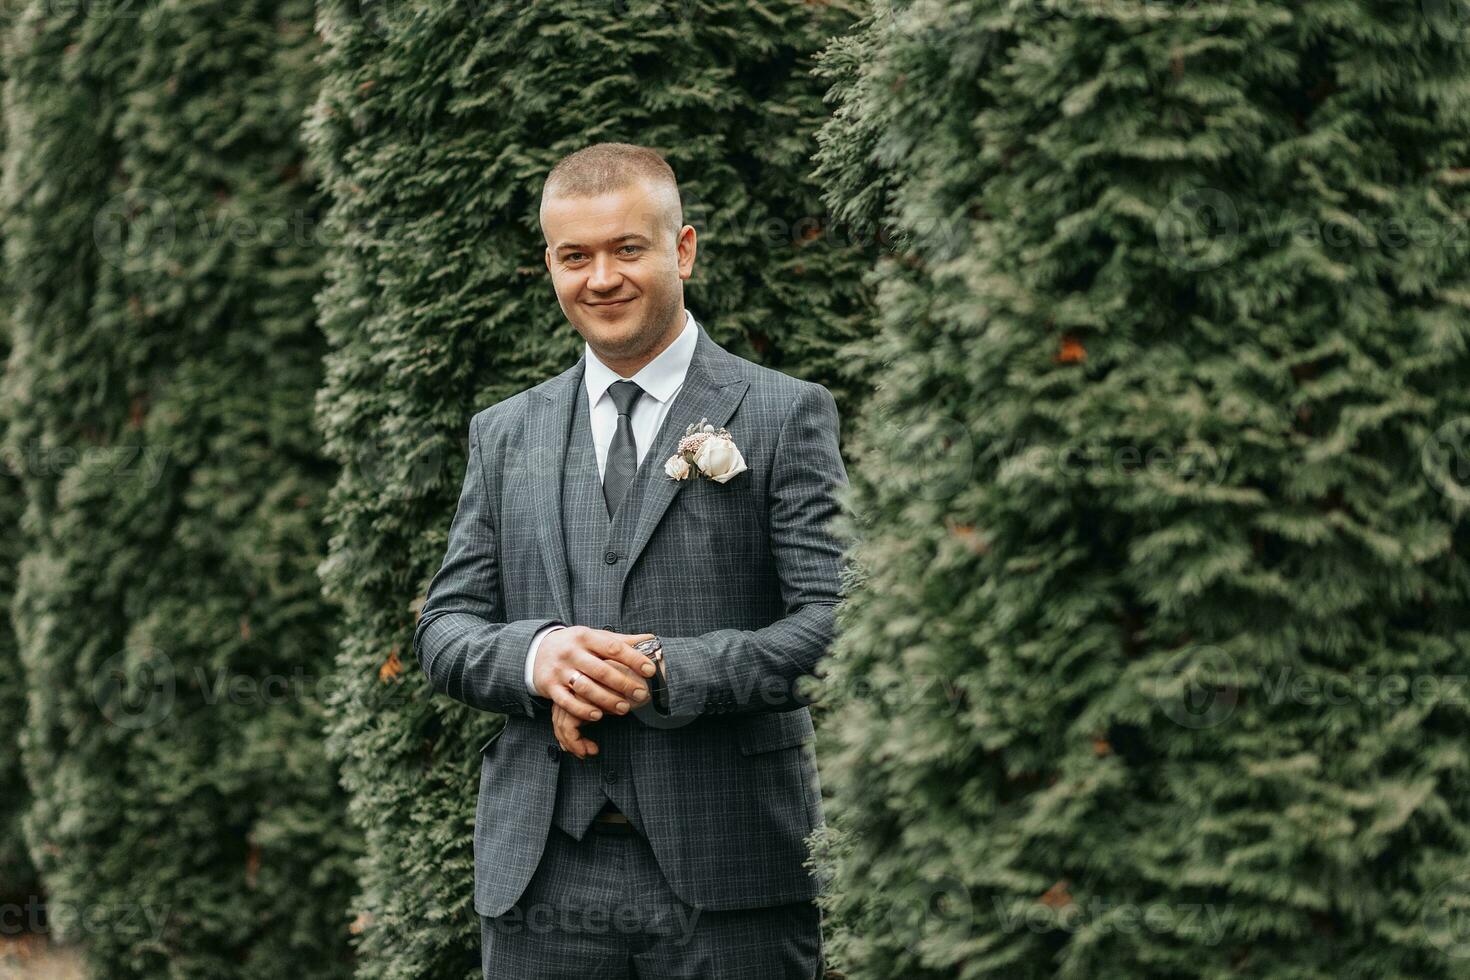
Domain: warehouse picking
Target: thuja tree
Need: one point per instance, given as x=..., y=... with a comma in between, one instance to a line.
x=17, y=876
x=186, y=819
x=1156, y=665
x=436, y=126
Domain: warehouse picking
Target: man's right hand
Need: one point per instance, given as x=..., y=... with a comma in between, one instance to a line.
x=577, y=668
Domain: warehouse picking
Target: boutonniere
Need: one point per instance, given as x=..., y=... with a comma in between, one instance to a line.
x=708, y=451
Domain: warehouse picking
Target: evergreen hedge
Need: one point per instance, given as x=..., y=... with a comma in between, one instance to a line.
x=17, y=876
x=1156, y=665
x=436, y=126
x=18, y=885
x=175, y=642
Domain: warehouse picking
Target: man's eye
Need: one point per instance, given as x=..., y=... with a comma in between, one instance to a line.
x=633, y=247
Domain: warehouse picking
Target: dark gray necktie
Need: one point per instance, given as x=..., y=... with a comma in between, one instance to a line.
x=622, y=455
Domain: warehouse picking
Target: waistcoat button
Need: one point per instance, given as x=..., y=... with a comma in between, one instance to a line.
x=610, y=557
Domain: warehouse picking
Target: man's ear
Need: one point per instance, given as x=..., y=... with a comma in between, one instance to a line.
x=688, y=246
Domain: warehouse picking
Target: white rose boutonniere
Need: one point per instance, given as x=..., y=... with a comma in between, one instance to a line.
x=707, y=451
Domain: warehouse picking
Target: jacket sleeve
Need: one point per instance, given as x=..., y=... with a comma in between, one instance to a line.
x=750, y=671
x=462, y=641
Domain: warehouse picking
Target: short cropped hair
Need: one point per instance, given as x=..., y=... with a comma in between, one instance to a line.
x=606, y=167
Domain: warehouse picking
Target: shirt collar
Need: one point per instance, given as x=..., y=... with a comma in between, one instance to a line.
x=660, y=377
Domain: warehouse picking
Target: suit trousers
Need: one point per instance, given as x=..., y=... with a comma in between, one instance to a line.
x=601, y=908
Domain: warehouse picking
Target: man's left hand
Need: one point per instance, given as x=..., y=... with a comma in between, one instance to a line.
x=568, y=727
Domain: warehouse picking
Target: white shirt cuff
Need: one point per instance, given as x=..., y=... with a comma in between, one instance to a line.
x=531, y=656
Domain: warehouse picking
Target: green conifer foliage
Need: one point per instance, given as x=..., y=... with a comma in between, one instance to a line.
x=18, y=884
x=1157, y=663
x=17, y=876
x=436, y=127
x=175, y=641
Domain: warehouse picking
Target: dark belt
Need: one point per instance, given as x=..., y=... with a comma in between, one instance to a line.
x=612, y=821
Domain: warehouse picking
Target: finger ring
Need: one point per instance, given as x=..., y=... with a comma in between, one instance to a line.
x=572, y=681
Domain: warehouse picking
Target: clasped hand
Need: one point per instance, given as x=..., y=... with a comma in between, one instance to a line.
x=586, y=672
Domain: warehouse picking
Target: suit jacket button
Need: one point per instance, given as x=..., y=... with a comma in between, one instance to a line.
x=609, y=627
x=610, y=557
x=552, y=750
x=610, y=774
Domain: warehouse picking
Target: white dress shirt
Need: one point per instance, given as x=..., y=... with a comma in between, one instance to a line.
x=660, y=379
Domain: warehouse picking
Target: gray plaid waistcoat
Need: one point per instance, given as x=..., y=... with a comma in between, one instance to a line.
x=584, y=785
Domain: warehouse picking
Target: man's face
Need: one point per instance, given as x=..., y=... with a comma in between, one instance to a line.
x=617, y=269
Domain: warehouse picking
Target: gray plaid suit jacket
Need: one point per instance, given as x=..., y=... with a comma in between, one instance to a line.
x=739, y=580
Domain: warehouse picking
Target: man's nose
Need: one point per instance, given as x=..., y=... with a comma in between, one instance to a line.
x=604, y=276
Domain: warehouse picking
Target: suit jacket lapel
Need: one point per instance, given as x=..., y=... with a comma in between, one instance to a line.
x=548, y=427
x=712, y=390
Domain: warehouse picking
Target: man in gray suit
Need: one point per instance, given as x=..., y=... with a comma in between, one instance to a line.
x=643, y=810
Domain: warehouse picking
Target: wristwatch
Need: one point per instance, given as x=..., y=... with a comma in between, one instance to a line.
x=653, y=649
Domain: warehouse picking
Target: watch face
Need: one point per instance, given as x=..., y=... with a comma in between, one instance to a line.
x=647, y=646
